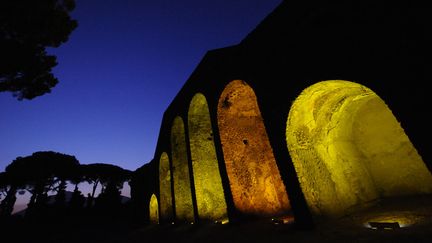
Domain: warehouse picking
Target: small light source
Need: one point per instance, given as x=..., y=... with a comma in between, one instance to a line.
x=384, y=225
x=222, y=221
x=283, y=220
x=172, y=222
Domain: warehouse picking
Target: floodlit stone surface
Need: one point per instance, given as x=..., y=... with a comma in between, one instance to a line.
x=154, y=210
x=166, y=207
x=254, y=177
x=348, y=148
x=208, y=183
x=182, y=188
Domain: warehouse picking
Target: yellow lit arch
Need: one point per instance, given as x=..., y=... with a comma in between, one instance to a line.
x=254, y=178
x=154, y=210
x=208, y=183
x=165, y=188
x=348, y=148
x=182, y=188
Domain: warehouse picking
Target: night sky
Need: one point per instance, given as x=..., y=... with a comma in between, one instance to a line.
x=118, y=73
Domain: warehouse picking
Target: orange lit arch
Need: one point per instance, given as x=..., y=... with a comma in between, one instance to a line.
x=182, y=188
x=348, y=148
x=254, y=178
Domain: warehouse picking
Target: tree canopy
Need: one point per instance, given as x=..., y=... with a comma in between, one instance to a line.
x=104, y=173
x=4, y=183
x=40, y=172
x=27, y=28
x=47, y=171
x=42, y=165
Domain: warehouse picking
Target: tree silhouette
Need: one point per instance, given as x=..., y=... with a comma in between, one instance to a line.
x=100, y=173
x=77, y=200
x=4, y=184
x=108, y=205
x=110, y=198
x=8, y=189
x=47, y=171
x=65, y=170
x=10, y=183
x=91, y=175
x=27, y=28
x=40, y=173
x=76, y=177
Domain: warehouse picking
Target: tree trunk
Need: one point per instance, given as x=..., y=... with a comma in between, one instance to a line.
x=7, y=205
x=94, y=188
x=61, y=194
x=38, y=190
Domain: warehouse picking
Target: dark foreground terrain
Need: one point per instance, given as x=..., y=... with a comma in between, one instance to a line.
x=414, y=215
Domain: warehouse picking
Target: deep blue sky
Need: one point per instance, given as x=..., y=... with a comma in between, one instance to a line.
x=118, y=72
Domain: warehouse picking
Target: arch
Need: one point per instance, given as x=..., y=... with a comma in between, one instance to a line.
x=182, y=188
x=348, y=148
x=207, y=180
x=154, y=210
x=254, y=177
x=166, y=207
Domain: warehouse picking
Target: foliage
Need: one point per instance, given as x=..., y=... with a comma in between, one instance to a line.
x=27, y=29
x=46, y=166
x=4, y=184
x=40, y=172
x=104, y=173
x=47, y=171
x=8, y=190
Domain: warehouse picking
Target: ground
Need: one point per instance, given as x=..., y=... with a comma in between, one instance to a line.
x=413, y=214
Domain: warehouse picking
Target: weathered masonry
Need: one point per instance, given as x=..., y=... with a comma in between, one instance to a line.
x=318, y=111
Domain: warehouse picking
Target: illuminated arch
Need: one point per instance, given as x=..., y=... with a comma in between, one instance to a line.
x=208, y=183
x=166, y=207
x=254, y=177
x=347, y=148
x=182, y=188
x=154, y=210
